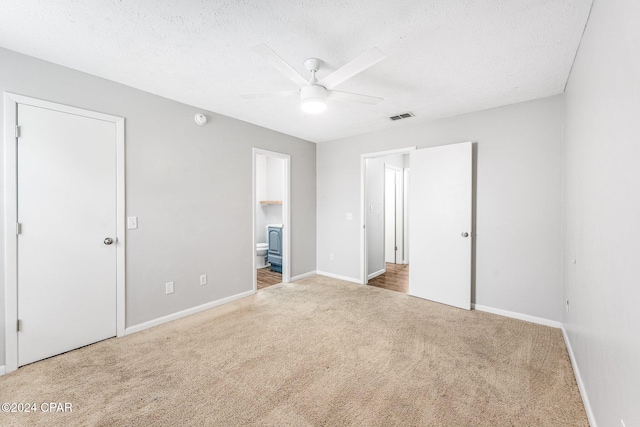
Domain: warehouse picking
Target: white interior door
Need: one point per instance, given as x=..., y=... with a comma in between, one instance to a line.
x=440, y=235
x=67, y=208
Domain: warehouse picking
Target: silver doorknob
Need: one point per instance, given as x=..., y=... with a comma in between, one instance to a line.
x=465, y=234
x=108, y=241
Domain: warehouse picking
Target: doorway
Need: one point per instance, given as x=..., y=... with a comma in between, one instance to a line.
x=65, y=261
x=440, y=216
x=394, y=215
x=385, y=220
x=271, y=213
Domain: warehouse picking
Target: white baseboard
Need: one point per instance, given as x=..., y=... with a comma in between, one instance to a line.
x=377, y=273
x=3, y=370
x=519, y=316
x=581, y=387
x=184, y=313
x=302, y=276
x=337, y=276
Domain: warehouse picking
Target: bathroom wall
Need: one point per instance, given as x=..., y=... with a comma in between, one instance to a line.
x=275, y=182
x=261, y=194
x=269, y=186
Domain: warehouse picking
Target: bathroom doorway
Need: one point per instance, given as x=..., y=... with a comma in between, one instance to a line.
x=386, y=251
x=271, y=213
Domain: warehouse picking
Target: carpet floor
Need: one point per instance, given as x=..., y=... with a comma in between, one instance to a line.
x=317, y=352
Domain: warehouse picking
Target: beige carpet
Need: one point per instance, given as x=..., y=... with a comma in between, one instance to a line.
x=318, y=352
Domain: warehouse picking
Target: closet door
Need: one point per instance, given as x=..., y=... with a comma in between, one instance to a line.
x=440, y=234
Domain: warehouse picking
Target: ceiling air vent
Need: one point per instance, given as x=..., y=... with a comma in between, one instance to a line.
x=402, y=116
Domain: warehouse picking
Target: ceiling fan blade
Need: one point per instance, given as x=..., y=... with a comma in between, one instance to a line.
x=278, y=63
x=281, y=94
x=347, y=96
x=357, y=65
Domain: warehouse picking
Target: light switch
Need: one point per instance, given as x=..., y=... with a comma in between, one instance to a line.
x=371, y=208
x=132, y=222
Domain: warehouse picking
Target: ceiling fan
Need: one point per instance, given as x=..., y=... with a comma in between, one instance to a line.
x=314, y=93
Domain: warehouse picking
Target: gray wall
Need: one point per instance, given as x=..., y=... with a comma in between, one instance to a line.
x=518, y=200
x=189, y=185
x=602, y=211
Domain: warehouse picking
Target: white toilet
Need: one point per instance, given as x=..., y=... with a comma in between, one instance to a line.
x=261, y=254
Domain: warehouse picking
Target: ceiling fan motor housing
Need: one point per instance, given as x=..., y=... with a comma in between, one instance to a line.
x=313, y=92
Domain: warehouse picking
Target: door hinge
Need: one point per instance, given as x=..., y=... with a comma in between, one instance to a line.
x=396, y=248
x=18, y=228
x=18, y=325
x=17, y=131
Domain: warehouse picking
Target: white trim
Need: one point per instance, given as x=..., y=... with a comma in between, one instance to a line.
x=10, y=238
x=184, y=313
x=405, y=231
x=576, y=373
x=377, y=273
x=303, y=276
x=286, y=214
x=363, y=208
x=2, y=370
x=519, y=316
x=11, y=102
x=339, y=277
x=389, y=152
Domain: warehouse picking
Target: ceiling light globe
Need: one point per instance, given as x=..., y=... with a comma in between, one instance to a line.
x=313, y=105
x=313, y=99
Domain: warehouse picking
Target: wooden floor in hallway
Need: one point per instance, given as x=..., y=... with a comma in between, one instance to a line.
x=267, y=278
x=396, y=278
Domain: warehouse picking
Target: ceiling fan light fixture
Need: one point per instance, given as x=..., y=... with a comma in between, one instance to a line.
x=313, y=99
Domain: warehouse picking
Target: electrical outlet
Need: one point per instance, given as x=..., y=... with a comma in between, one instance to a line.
x=331, y=256
x=203, y=279
x=567, y=306
x=169, y=287
x=349, y=216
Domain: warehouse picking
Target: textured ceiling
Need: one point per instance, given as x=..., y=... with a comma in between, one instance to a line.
x=444, y=57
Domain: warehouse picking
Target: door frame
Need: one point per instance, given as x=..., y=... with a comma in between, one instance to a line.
x=11, y=102
x=364, y=278
x=286, y=214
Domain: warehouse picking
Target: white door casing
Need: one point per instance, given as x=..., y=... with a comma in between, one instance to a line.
x=441, y=215
x=286, y=213
x=66, y=171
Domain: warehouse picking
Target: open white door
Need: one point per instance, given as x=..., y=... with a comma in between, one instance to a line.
x=440, y=234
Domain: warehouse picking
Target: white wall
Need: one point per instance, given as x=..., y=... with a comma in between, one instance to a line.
x=518, y=200
x=189, y=185
x=261, y=194
x=275, y=183
x=602, y=211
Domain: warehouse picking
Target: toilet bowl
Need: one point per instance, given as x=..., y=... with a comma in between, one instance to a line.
x=261, y=254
